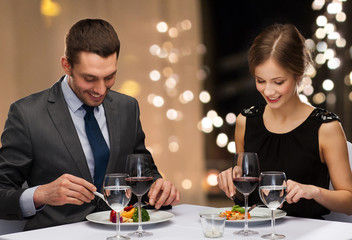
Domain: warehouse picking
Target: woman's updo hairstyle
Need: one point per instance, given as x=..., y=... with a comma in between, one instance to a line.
x=285, y=44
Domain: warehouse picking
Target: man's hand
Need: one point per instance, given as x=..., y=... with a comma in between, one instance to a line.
x=226, y=183
x=67, y=189
x=163, y=193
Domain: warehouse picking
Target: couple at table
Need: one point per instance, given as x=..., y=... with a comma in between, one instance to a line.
x=45, y=141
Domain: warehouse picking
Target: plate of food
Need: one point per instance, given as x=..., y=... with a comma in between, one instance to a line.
x=129, y=217
x=235, y=214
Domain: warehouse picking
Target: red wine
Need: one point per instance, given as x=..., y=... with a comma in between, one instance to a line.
x=245, y=185
x=139, y=185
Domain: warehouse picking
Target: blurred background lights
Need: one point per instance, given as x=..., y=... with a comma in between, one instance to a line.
x=321, y=46
x=204, y=96
x=329, y=53
x=230, y=118
x=174, y=147
x=328, y=85
x=171, y=114
x=320, y=33
x=162, y=27
x=154, y=75
x=186, y=25
x=211, y=114
x=334, y=36
x=331, y=98
x=206, y=125
x=154, y=49
x=158, y=101
x=329, y=28
x=350, y=96
x=321, y=21
x=222, y=140
x=303, y=98
x=341, y=17
x=170, y=82
x=334, y=63
x=186, y=184
x=173, y=32
x=310, y=44
x=334, y=7
x=49, y=8
x=318, y=4
x=212, y=179
x=308, y=90
x=319, y=98
x=231, y=147
x=218, y=122
x=320, y=58
x=341, y=42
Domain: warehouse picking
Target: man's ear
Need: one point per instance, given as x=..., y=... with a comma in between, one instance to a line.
x=66, y=65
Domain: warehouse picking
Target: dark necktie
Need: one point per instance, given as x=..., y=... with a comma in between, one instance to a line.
x=97, y=143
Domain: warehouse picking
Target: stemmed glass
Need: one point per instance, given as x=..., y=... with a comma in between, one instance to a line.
x=140, y=170
x=245, y=173
x=272, y=191
x=117, y=194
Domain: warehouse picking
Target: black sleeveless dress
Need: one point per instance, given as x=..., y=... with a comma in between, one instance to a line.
x=296, y=153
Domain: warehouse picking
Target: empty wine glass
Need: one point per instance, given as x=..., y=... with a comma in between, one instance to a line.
x=245, y=173
x=117, y=195
x=272, y=191
x=140, y=170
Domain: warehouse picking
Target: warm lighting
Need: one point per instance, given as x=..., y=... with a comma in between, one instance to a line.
x=322, y=46
x=329, y=53
x=186, y=96
x=334, y=36
x=49, y=8
x=331, y=98
x=310, y=44
x=341, y=42
x=212, y=114
x=328, y=85
x=186, y=25
x=173, y=32
x=329, y=28
x=207, y=125
x=231, y=147
x=130, y=87
x=308, y=90
x=171, y=114
x=320, y=58
x=154, y=49
x=303, y=98
x=320, y=33
x=174, y=147
x=350, y=96
x=171, y=82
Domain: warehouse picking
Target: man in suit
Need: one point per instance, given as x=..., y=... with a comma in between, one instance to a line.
x=46, y=144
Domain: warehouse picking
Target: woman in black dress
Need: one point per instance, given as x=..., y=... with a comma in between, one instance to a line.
x=305, y=142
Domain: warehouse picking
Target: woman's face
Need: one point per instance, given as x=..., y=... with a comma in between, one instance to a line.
x=277, y=85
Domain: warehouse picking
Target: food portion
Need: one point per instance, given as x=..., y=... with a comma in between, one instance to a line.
x=236, y=213
x=130, y=214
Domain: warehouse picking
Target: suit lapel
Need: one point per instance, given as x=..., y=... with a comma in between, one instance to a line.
x=58, y=110
x=114, y=126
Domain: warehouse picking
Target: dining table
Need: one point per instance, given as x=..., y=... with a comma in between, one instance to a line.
x=185, y=224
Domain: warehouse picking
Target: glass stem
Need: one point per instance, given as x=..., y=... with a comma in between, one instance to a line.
x=140, y=229
x=117, y=224
x=245, y=213
x=273, y=222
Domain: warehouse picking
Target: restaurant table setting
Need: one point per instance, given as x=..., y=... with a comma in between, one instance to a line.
x=184, y=222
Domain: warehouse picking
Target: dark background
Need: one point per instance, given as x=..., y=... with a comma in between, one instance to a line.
x=229, y=27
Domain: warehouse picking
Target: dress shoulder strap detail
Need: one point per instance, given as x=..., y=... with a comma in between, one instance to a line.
x=324, y=116
x=253, y=111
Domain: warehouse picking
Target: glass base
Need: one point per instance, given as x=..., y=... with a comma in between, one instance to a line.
x=273, y=236
x=246, y=233
x=140, y=234
x=117, y=237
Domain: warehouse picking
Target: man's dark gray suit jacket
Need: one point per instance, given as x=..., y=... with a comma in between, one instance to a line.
x=40, y=143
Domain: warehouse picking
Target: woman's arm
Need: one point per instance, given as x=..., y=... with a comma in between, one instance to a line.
x=333, y=152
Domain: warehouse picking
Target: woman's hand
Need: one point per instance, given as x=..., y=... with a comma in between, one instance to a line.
x=226, y=183
x=296, y=191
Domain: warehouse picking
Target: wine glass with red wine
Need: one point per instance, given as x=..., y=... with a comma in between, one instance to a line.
x=140, y=170
x=245, y=174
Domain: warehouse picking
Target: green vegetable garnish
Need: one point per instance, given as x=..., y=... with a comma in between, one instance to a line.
x=144, y=213
x=238, y=208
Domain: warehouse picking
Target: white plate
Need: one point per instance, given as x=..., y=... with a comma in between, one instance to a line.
x=155, y=217
x=258, y=214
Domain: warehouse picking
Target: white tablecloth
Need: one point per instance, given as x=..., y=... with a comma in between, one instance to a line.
x=186, y=225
